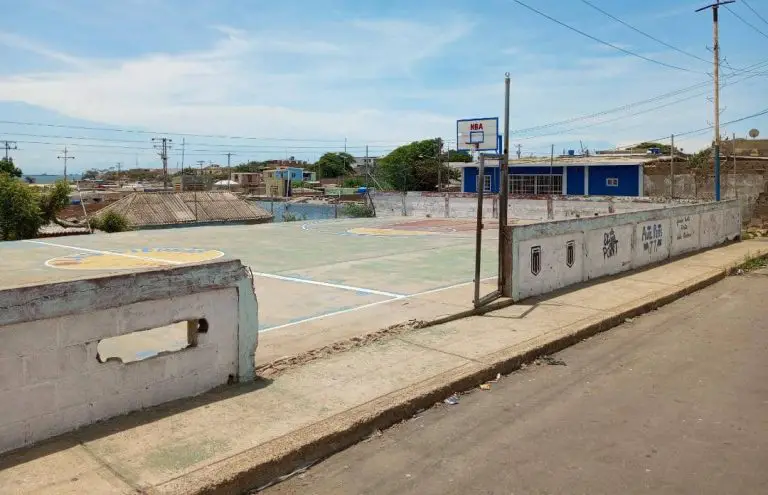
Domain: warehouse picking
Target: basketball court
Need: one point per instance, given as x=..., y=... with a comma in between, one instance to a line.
x=302, y=270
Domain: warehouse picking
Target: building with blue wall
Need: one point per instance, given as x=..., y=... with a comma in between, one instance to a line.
x=583, y=176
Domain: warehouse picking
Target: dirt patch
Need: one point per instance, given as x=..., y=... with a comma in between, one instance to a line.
x=280, y=366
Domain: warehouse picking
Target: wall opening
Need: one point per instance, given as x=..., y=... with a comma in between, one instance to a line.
x=146, y=344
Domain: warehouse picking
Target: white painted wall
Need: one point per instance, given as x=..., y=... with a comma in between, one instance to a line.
x=51, y=381
x=615, y=243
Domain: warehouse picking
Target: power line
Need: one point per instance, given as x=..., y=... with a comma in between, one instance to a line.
x=747, y=5
x=657, y=40
x=746, y=21
x=593, y=38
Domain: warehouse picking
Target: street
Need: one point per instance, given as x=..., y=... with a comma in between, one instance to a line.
x=672, y=402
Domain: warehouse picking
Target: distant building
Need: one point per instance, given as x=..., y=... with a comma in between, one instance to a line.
x=248, y=181
x=365, y=165
x=192, y=183
x=213, y=170
x=279, y=181
x=746, y=147
x=583, y=176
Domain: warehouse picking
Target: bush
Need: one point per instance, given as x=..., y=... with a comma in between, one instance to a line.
x=292, y=217
x=357, y=210
x=111, y=222
x=20, y=213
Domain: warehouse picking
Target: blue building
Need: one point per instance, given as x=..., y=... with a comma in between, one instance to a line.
x=583, y=176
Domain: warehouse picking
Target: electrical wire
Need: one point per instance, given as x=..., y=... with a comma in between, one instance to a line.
x=747, y=5
x=593, y=38
x=745, y=21
x=657, y=40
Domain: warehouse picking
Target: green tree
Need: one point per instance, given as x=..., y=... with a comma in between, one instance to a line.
x=252, y=166
x=413, y=167
x=456, y=156
x=332, y=165
x=91, y=174
x=110, y=222
x=7, y=167
x=53, y=200
x=20, y=214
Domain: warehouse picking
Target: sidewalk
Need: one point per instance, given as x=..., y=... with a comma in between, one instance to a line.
x=241, y=437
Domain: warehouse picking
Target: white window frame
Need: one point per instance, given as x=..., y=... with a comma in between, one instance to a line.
x=487, y=183
x=612, y=182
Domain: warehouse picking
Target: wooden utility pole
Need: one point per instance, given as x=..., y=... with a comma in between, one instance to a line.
x=65, y=156
x=9, y=145
x=672, y=169
x=716, y=49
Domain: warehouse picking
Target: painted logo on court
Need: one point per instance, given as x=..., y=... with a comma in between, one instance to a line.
x=129, y=259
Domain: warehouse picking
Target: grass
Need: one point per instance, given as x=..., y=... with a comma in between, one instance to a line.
x=752, y=263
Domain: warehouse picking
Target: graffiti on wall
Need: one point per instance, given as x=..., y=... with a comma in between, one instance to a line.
x=536, y=260
x=683, y=225
x=610, y=244
x=652, y=237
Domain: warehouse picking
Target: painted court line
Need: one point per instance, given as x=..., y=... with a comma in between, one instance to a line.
x=366, y=306
x=97, y=251
x=327, y=284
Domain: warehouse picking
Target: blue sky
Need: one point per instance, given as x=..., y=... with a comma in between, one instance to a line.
x=302, y=76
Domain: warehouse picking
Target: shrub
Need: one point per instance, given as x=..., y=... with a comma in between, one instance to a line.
x=111, y=222
x=357, y=210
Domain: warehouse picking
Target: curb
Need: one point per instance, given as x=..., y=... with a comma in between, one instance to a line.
x=262, y=465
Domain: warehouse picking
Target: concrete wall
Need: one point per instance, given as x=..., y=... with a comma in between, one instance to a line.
x=51, y=380
x=461, y=205
x=552, y=255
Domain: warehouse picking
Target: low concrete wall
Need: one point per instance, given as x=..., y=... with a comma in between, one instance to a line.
x=51, y=379
x=461, y=205
x=549, y=256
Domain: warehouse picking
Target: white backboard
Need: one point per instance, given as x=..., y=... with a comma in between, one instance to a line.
x=478, y=134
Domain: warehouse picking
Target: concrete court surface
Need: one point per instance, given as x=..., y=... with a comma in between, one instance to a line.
x=197, y=443
x=674, y=402
x=303, y=270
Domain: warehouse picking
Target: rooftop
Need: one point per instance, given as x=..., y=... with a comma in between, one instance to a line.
x=143, y=209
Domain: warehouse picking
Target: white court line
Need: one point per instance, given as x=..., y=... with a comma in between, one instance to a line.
x=328, y=284
x=97, y=251
x=365, y=306
x=259, y=274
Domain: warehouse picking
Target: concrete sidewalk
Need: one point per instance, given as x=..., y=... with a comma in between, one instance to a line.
x=230, y=440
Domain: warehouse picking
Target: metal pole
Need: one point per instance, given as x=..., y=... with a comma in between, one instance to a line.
x=735, y=183
x=479, y=232
x=672, y=169
x=505, y=260
x=439, y=167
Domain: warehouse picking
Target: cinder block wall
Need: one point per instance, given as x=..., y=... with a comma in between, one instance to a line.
x=51, y=380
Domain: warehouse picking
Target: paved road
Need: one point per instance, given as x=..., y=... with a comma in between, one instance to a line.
x=674, y=402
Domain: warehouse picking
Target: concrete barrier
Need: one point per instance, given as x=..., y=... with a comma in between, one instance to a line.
x=52, y=379
x=552, y=255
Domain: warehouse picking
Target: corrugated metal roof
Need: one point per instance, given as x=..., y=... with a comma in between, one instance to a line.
x=160, y=208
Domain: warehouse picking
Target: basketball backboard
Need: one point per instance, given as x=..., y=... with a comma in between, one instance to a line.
x=477, y=134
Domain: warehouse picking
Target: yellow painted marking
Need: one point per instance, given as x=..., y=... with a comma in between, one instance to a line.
x=132, y=258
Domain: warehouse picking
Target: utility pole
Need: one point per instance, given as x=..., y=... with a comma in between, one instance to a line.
x=229, y=170
x=672, y=169
x=735, y=182
x=9, y=145
x=162, y=145
x=65, y=156
x=505, y=259
x=119, y=164
x=181, y=179
x=439, y=165
x=715, y=21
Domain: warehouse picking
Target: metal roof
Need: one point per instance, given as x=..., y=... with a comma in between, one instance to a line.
x=143, y=209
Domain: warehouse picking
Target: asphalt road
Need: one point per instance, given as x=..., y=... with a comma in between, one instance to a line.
x=674, y=402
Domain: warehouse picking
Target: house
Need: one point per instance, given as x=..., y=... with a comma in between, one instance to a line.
x=746, y=147
x=365, y=164
x=279, y=181
x=587, y=176
x=248, y=181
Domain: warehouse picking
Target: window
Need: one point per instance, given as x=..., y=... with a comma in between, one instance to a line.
x=612, y=182
x=535, y=184
x=486, y=183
